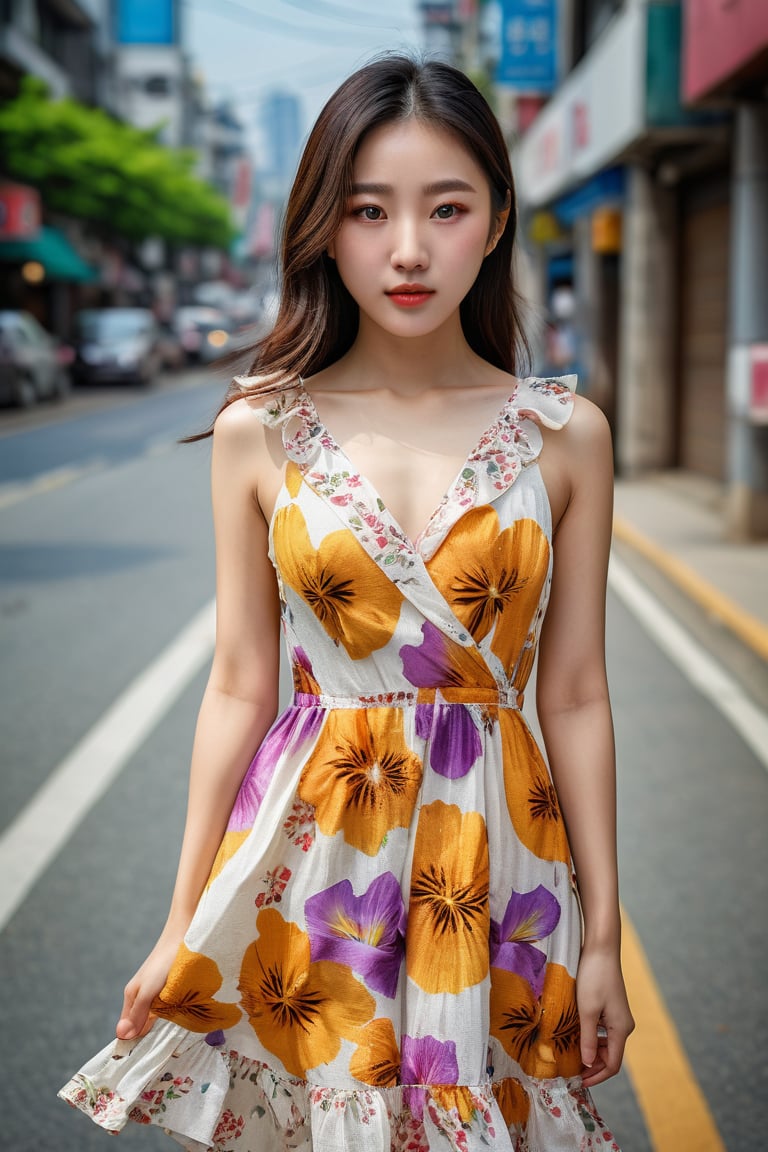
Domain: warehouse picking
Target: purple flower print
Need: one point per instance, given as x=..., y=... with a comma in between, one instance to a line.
x=425, y=1060
x=454, y=739
x=289, y=731
x=366, y=932
x=529, y=917
x=427, y=666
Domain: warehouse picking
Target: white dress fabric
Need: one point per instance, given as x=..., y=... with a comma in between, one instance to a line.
x=384, y=958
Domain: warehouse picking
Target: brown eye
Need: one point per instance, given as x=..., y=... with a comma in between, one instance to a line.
x=369, y=212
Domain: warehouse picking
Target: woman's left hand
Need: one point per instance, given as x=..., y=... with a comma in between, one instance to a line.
x=606, y=1020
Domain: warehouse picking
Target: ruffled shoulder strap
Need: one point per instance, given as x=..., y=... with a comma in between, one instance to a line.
x=546, y=399
x=291, y=410
x=270, y=404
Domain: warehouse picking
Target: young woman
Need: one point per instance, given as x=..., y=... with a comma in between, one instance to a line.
x=376, y=938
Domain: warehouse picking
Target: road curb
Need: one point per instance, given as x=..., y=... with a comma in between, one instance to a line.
x=746, y=627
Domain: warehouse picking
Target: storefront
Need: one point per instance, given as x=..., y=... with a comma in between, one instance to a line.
x=591, y=159
x=725, y=63
x=705, y=221
x=38, y=264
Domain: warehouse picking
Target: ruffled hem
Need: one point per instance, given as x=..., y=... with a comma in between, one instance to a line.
x=209, y=1099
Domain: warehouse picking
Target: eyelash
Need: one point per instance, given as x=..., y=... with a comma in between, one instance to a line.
x=359, y=212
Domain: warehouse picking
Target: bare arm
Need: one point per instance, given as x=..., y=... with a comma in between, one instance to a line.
x=240, y=700
x=575, y=717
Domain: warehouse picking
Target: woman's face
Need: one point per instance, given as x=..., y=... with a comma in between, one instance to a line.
x=416, y=230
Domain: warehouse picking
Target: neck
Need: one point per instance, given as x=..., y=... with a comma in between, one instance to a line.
x=410, y=365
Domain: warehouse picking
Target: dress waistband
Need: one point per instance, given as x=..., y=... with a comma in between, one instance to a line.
x=481, y=697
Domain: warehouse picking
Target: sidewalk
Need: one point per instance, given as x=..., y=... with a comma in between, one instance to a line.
x=674, y=522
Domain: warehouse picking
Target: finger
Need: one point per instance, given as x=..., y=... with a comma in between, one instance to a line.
x=589, y=1039
x=133, y=1023
x=608, y=1060
x=124, y=1029
x=594, y=1075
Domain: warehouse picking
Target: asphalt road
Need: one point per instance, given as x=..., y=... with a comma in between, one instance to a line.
x=105, y=556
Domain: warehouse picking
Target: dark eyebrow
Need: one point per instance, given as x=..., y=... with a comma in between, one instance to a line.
x=437, y=189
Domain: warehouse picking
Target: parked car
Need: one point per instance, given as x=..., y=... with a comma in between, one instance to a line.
x=205, y=333
x=117, y=344
x=33, y=364
x=172, y=354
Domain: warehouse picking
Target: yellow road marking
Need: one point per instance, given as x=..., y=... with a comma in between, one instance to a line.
x=676, y=1114
x=750, y=630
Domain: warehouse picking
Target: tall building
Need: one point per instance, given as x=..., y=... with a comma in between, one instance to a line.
x=150, y=68
x=282, y=130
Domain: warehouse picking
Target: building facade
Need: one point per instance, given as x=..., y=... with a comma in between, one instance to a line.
x=641, y=180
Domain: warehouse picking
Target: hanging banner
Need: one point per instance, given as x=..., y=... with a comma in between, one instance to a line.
x=528, y=59
x=20, y=212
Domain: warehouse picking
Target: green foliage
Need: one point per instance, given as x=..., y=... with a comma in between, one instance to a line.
x=88, y=165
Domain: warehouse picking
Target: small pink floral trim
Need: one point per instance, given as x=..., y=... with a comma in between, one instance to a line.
x=299, y=826
x=275, y=883
x=500, y=454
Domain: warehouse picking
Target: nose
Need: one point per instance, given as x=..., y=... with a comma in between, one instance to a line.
x=409, y=250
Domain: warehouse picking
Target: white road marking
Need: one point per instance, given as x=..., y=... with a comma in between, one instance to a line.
x=13, y=493
x=696, y=664
x=44, y=826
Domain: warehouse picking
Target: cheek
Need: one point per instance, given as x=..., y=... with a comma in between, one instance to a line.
x=349, y=253
x=468, y=250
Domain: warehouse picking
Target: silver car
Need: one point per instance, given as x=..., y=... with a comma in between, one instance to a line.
x=33, y=364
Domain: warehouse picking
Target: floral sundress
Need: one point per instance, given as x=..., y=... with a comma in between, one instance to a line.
x=384, y=957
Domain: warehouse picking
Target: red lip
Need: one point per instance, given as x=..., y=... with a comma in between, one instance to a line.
x=409, y=289
x=409, y=295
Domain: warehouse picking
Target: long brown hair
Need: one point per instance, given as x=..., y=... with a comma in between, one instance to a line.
x=318, y=319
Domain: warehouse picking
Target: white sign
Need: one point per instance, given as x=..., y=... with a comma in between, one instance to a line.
x=593, y=116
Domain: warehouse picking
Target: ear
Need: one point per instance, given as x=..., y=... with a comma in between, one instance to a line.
x=331, y=249
x=499, y=224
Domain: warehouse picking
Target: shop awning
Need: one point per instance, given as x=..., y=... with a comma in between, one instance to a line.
x=51, y=249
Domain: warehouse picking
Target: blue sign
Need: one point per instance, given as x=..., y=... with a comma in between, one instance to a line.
x=146, y=22
x=528, y=59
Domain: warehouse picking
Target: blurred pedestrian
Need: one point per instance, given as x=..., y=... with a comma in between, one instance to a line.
x=375, y=939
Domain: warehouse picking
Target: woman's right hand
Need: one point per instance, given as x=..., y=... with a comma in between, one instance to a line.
x=136, y=1019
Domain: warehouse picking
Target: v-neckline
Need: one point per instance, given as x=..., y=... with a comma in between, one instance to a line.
x=490, y=432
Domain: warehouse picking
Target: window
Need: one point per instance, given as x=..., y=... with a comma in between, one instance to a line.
x=157, y=86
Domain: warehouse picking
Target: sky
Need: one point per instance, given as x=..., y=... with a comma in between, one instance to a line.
x=245, y=48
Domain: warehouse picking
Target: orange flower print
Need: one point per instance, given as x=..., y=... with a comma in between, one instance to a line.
x=540, y=1033
x=493, y=578
x=531, y=798
x=300, y=1010
x=458, y=1097
x=357, y=605
x=230, y=844
x=303, y=677
x=293, y=479
x=362, y=778
x=525, y=666
x=377, y=1058
x=446, y=942
x=187, y=997
x=513, y=1101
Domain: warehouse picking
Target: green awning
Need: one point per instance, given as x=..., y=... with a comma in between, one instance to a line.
x=51, y=249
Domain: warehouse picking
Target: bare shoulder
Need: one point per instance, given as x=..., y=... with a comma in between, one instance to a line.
x=578, y=458
x=588, y=429
x=585, y=441
x=238, y=427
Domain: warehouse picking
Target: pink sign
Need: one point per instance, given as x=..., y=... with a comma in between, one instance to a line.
x=758, y=400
